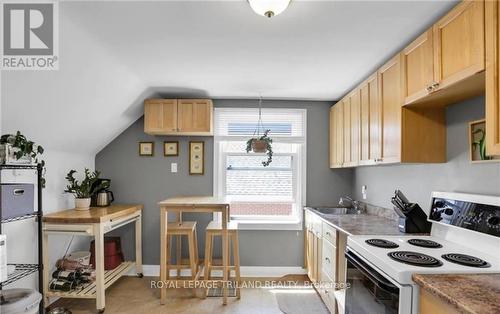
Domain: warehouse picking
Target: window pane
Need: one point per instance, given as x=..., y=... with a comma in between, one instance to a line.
x=246, y=176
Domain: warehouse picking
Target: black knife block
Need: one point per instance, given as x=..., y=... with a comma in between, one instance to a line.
x=415, y=220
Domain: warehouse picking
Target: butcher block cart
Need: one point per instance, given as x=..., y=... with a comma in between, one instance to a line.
x=95, y=222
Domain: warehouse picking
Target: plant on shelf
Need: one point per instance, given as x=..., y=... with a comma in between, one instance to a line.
x=85, y=189
x=480, y=144
x=262, y=144
x=23, y=151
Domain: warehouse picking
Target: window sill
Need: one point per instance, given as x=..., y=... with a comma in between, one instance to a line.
x=245, y=224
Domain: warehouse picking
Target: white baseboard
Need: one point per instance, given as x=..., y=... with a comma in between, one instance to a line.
x=246, y=271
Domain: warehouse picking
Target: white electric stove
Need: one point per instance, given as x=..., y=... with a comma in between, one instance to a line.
x=465, y=238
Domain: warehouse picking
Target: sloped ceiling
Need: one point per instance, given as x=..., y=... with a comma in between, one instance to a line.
x=114, y=54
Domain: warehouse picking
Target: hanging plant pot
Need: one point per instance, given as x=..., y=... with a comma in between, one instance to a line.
x=262, y=144
x=259, y=146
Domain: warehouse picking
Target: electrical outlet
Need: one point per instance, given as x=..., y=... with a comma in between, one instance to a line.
x=363, y=191
x=173, y=167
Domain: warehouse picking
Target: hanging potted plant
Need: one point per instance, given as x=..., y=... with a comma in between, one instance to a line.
x=83, y=190
x=16, y=149
x=261, y=144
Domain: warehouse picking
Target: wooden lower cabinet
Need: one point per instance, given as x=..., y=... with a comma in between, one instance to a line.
x=492, y=77
x=313, y=254
x=430, y=304
x=325, y=260
x=313, y=246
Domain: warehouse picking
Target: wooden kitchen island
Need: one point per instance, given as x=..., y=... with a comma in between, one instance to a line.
x=94, y=222
x=193, y=204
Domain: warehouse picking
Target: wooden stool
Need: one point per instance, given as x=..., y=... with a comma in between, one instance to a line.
x=215, y=229
x=184, y=228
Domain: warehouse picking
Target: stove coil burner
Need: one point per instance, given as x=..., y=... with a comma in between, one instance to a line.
x=425, y=243
x=465, y=260
x=382, y=243
x=414, y=258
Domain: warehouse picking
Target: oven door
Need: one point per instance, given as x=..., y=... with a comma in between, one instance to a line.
x=368, y=291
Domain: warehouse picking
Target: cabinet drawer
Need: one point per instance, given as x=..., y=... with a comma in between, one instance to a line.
x=327, y=292
x=328, y=259
x=329, y=233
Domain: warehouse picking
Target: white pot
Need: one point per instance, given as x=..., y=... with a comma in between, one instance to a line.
x=82, y=203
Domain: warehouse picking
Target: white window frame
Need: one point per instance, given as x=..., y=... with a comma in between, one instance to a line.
x=299, y=161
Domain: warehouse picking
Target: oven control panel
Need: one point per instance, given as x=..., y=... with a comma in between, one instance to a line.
x=473, y=216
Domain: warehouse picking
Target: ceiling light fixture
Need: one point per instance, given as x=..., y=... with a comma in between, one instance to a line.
x=269, y=8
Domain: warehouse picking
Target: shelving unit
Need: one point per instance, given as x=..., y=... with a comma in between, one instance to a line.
x=473, y=126
x=23, y=270
x=89, y=290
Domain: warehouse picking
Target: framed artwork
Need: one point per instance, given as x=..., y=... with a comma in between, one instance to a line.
x=170, y=148
x=146, y=149
x=196, y=157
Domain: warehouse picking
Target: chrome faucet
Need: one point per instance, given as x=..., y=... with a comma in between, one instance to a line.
x=347, y=201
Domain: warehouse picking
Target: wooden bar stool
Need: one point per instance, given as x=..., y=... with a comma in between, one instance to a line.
x=179, y=229
x=215, y=229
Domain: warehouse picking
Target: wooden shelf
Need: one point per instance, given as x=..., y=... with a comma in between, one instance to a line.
x=473, y=126
x=89, y=291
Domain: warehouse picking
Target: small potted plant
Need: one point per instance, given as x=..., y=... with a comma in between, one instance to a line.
x=83, y=190
x=262, y=144
x=17, y=149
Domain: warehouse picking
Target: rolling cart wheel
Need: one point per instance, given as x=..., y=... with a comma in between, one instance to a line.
x=101, y=310
x=140, y=275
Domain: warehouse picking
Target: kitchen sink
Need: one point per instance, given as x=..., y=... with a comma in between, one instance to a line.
x=334, y=210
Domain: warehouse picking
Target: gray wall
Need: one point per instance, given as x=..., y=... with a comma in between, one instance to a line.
x=148, y=180
x=418, y=181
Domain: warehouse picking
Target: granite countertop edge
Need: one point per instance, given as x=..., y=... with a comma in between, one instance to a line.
x=426, y=282
x=390, y=228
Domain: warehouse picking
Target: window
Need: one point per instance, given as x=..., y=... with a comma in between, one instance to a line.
x=261, y=197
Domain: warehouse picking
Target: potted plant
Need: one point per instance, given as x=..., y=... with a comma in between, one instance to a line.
x=83, y=190
x=479, y=146
x=262, y=144
x=17, y=149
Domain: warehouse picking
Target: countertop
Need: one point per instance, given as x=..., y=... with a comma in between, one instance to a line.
x=92, y=215
x=362, y=224
x=468, y=293
x=190, y=201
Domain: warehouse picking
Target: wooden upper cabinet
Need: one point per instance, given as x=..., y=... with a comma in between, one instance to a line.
x=459, y=43
x=370, y=121
x=355, y=127
x=375, y=118
x=346, y=122
x=418, y=68
x=492, y=78
x=390, y=103
x=160, y=116
x=195, y=116
x=364, y=140
x=178, y=117
x=338, y=118
x=332, y=141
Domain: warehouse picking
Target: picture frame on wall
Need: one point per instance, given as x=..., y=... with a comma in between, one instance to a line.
x=146, y=149
x=170, y=148
x=196, y=157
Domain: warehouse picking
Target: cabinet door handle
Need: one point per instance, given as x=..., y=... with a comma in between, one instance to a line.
x=327, y=259
x=328, y=233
